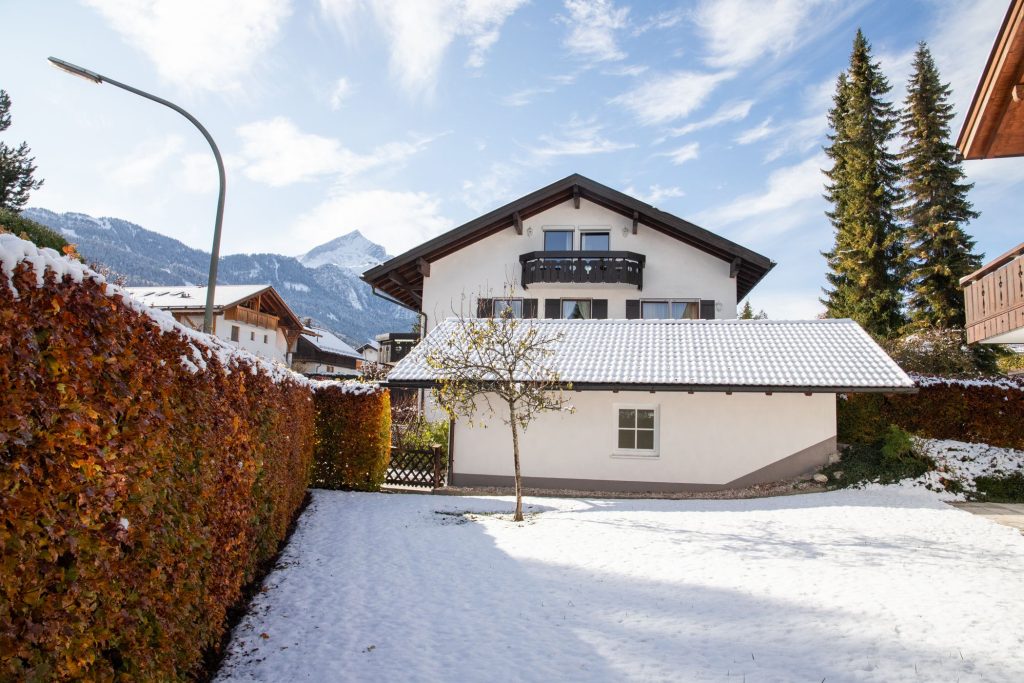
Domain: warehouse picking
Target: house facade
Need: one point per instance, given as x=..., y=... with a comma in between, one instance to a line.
x=321, y=354
x=669, y=391
x=994, y=127
x=251, y=317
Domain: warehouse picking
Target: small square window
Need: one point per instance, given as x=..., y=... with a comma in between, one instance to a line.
x=595, y=241
x=558, y=240
x=636, y=431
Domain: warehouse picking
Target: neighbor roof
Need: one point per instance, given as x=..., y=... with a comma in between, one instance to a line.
x=184, y=298
x=329, y=342
x=402, y=276
x=697, y=355
x=994, y=126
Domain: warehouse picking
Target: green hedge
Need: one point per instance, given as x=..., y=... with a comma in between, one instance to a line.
x=34, y=232
x=353, y=426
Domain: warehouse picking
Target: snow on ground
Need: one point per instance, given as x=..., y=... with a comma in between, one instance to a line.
x=855, y=585
x=961, y=462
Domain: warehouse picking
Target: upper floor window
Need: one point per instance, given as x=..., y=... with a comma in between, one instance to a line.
x=558, y=240
x=576, y=308
x=512, y=308
x=595, y=241
x=670, y=310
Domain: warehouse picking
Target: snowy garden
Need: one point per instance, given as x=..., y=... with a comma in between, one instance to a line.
x=869, y=585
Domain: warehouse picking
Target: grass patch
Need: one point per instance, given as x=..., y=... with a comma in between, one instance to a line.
x=1008, y=489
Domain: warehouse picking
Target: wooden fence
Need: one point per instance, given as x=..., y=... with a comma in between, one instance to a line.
x=425, y=468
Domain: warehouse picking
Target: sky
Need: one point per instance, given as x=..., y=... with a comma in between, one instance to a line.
x=407, y=118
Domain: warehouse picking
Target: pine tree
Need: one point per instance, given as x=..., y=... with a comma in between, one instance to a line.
x=939, y=252
x=747, y=313
x=866, y=262
x=16, y=166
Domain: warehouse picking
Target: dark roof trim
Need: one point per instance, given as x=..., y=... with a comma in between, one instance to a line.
x=697, y=388
x=401, y=276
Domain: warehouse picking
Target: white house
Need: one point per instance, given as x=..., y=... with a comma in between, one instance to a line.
x=670, y=391
x=252, y=317
x=321, y=353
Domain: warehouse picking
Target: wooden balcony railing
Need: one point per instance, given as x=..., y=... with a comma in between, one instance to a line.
x=604, y=267
x=994, y=297
x=247, y=315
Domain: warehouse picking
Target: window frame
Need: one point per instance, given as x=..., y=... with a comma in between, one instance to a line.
x=511, y=300
x=669, y=302
x=561, y=310
x=618, y=452
x=236, y=333
x=595, y=230
x=571, y=229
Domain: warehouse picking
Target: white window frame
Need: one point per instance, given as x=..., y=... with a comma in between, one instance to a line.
x=595, y=230
x=511, y=300
x=571, y=229
x=636, y=452
x=561, y=304
x=669, y=302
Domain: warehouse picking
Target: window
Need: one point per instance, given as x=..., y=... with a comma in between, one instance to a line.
x=595, y=241
x=636, y=430
x=265, y=338
x=252, y=336
x=574, y=309
x=235, y=332
x=512, y=308
x=558, y=240
x=667, y=309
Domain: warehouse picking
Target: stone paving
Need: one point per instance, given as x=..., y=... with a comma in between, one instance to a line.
x=1009, y=514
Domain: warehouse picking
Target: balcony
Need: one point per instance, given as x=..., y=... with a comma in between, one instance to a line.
x=251, y=317
x=994, y=300
x=599, y=267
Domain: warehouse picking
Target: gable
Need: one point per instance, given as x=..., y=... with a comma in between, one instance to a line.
x=402, y=276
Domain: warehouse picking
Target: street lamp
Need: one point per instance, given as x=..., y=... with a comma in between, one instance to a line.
x=215, y=254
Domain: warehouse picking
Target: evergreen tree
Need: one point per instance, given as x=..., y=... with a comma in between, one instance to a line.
x=866, y=262
x=748, y=312
x=16, y=166
x=939, y=252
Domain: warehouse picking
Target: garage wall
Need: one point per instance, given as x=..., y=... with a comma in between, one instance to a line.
x=704, y=439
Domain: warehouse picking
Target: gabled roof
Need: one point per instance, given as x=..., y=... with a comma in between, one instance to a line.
x=994, y=126
x=402, y=276
x=697, y=355
x=193, y=299
x=328, y=342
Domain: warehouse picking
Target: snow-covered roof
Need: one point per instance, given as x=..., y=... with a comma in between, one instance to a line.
x=698, y=355
x=178, y=298
x=329, y=342
x=372, y=344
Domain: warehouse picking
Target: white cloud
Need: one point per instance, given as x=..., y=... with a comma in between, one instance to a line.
x=395, y=220
x=419, y=32
x=683, y=154
x=739, y=32
x=786, y=187
x=277, y=153
x=625, y=70
x=801, y=135
x=655, y=193
x=145, y=162
x=202, y=44
x=730, y=112
x=995, y=174
x=670, y=96
x=521, y=98
x=340, y=92
x=592, y=29
x=759, y=132
x=581, y=137
x=493, y=188
x=660, y=21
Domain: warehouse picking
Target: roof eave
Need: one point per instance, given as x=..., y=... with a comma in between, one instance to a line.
x=695, y=388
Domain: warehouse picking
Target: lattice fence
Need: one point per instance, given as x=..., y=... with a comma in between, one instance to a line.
x=416, y=468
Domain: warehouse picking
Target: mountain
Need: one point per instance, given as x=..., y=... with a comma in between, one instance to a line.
x=322, y=284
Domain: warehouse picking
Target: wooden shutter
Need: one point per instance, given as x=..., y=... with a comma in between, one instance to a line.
x=599, y=309
x=632, y=309
x=484, y=307
x=529, y=308
x=552, y=308
x=707, y=309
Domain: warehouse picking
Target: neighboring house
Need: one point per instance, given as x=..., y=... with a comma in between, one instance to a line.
x=994, y=127
x=370, y=351
x=668, y=395
x=394, y=346
x=322, y=354
x=252, y=317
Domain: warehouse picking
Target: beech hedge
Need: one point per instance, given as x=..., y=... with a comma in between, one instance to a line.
x=353, y=438
x=976, y=410
x=145, y=474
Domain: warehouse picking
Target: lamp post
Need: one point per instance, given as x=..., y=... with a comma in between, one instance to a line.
x=215, y=253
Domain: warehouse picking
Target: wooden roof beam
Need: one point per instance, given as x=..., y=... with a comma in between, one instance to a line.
x=636, y=221
x=400, y=280
x=576, y=196
x=517, y=223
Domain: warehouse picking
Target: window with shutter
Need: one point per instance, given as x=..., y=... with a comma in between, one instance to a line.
x=552, y=309
x=483, y=308
x=529, y=308
x=599, y=309
x=707, y=309
x=632, y=309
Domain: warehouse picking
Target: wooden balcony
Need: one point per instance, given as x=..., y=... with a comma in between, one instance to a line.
x=994, y=299
x=600, y=267
x=251, y=317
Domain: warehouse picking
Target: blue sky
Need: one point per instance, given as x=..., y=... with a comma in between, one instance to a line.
x=406, y=118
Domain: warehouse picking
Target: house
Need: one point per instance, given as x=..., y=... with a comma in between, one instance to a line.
x=670, y=391
x=252, y=317
x=394, y=346
x=994, y=127
x=370, y=351
x=322, y=354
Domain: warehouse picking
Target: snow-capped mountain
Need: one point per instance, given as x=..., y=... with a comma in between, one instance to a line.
x=351, y=251
x=323, y=284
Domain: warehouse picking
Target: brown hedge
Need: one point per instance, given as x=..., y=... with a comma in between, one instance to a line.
x=991, y=413
x=136, y=497
x=353, y=439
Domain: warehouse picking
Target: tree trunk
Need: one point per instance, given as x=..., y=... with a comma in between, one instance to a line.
x=518, y=517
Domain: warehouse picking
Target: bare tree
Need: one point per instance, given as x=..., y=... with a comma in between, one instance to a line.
x=506, y=360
